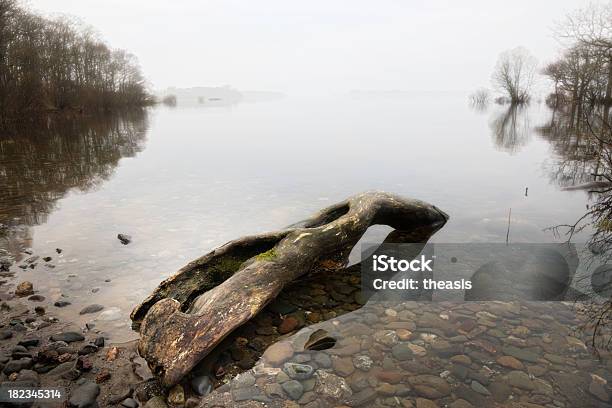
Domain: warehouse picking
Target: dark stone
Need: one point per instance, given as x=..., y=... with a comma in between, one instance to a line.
x=14, y=366
x=84, y=396
x=31, y=342
x=91, y=309
x=61, y=369
x=99, y=341
x=281, y=307
x=87, y=349
x=125, y=239
x=5, y=334
x=36, y=298
x=68, y=337
x=61, y=303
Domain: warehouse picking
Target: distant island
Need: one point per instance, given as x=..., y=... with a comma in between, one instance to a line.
x=213, y=96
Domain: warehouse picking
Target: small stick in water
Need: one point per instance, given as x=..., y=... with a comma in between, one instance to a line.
x=508, y=232
x=526, y=190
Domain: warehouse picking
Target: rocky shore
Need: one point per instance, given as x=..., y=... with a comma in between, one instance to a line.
x=428, y=355
x=321, y=344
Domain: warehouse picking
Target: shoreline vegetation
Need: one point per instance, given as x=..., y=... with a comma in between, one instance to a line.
x=58, y=66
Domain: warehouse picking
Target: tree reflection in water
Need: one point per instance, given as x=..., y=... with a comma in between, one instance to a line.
x=584, y=162
x=510, y=128
x=38, y=166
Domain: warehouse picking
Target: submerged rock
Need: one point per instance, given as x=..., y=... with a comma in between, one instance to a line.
x=91, y=309
x=201, y=385
x=125, y=239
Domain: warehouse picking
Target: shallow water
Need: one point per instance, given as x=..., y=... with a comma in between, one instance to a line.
x=182, y=181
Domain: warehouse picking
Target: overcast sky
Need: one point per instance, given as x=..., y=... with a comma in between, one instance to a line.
x=320, y=45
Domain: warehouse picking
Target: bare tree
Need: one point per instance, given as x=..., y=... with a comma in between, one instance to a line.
x=514, y=74
x=591, y=28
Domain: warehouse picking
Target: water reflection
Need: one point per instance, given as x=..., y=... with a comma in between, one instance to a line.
x=510, y=128
x=38, y=166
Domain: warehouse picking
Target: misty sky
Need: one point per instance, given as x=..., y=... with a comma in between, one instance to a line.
x=320, y=45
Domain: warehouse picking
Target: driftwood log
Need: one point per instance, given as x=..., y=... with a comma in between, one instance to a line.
x=194, y=310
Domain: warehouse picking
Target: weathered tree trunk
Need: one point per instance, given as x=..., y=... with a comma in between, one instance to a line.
x=192, y=311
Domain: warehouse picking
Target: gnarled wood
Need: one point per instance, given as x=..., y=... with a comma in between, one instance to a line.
x=192, y=311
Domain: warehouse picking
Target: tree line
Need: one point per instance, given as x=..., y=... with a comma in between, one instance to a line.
x=54, y=64
x=582, y=75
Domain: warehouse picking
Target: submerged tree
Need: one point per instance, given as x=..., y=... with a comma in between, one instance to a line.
x=514, y=74
x=583, y=73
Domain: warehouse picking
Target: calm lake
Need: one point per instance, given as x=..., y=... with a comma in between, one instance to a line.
x=184, y=180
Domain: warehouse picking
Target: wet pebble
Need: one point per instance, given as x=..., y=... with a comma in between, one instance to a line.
x=201, y=385
x=84, y=396
x=91, y=309
x=293, y=388
x=129, y=403
x=298, y=372
x=24, y=289
x=68, y=337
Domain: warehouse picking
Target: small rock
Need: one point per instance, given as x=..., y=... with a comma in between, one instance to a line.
x=24, y=289
x=362, y=362
x=91, y=309
x=461, y=359
x=103, y=376
x=298, y=372
x=156, y=402
x=14, y=366
x=278, y=353
x=479, y=388
x=425, y=403
x=31, y=342
x=111, y=354
x=343, y=366
x=402, y=351
x=68, y=337
x=36, y=298
x=598, y=389
x=84, y=396
x=129, y=403
x=201, y=385
x=293, y=388
x=61, y=303
x=124, y=238
x=176, y=396
x=5, y=334
x=88, y=349
x=289, y=324
x=99, y=342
